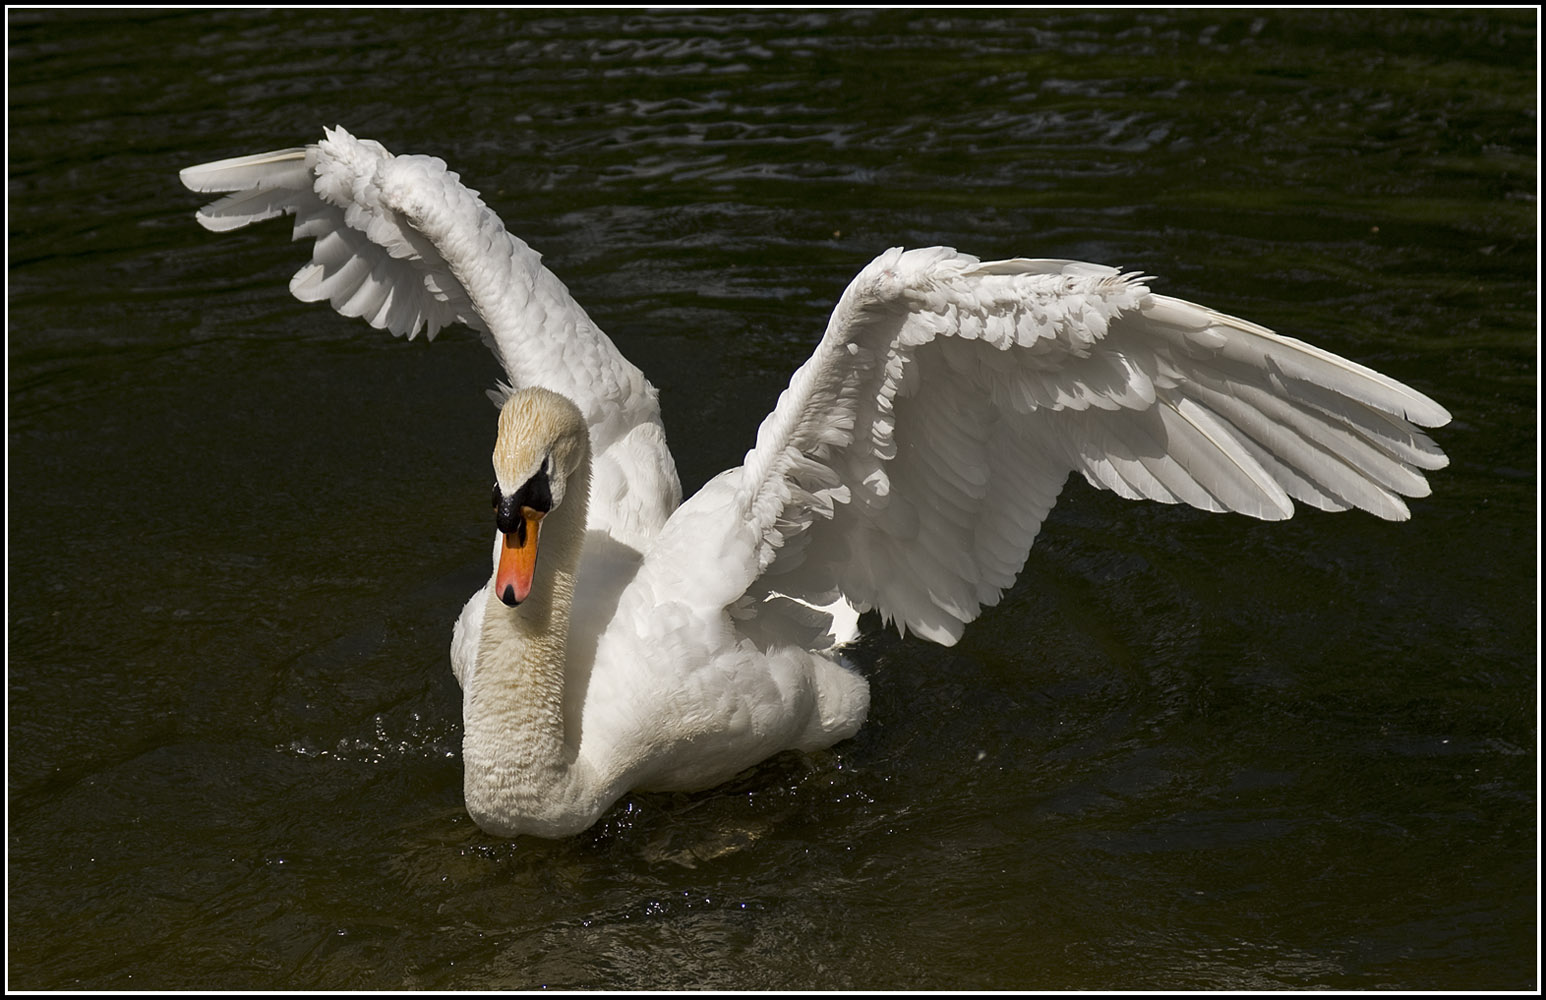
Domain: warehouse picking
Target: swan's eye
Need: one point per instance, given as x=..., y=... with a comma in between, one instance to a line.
x=496, y=496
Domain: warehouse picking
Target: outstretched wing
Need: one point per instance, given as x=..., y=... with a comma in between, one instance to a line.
x=913, y=458
x=404, y=245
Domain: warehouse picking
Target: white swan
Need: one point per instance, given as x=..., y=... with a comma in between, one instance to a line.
x=907, y=468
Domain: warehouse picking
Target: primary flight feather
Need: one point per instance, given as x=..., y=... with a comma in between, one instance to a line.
x=627, y=639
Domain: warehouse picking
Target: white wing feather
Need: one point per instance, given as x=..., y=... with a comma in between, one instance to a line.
x=404, y=245
x=913, y=458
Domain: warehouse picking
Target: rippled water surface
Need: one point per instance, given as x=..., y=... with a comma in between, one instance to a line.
x=1185, y=751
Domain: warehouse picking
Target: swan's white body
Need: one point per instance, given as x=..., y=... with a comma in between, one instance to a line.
x=907, y=468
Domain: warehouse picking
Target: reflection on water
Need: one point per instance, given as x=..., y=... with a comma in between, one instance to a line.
x=1185, y=751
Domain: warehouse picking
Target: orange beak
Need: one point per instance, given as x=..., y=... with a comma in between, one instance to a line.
x=518, y=559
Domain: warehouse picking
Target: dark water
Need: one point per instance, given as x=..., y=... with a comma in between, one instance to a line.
x=1186, y=751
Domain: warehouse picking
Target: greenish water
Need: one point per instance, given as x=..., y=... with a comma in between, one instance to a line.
x=1186, y=751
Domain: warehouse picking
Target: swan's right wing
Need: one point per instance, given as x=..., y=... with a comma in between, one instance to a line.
x=404, y=245
x=913, y=458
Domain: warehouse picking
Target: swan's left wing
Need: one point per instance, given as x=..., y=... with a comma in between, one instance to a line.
x=913, y=458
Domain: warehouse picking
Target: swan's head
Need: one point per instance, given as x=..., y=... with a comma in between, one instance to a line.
x=543, y=445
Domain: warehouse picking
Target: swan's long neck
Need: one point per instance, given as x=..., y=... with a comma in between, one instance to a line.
x=522, y=774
